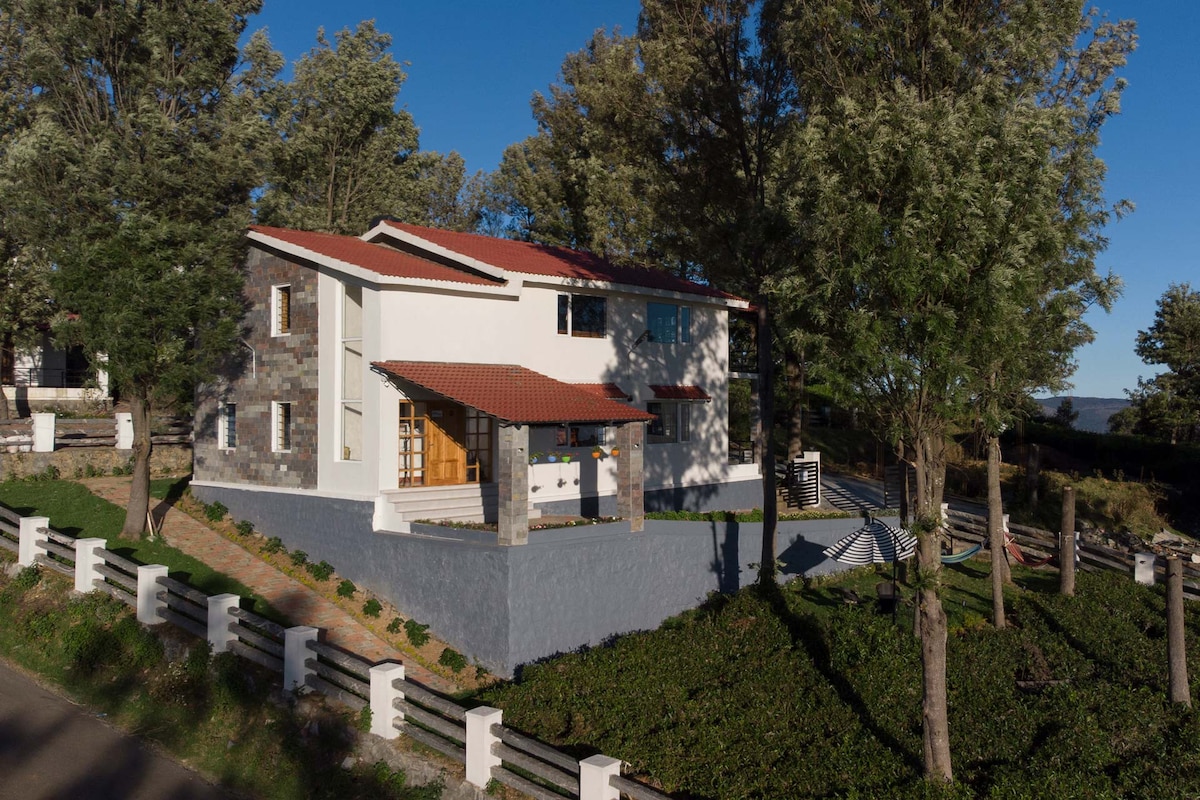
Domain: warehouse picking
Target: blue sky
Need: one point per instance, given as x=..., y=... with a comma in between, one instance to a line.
x=472, y=67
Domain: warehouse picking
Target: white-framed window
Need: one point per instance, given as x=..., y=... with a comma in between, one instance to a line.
x=672, y=422
x=583, y=315
x=227, y=426
x=281, y=426
x=352, y=373
x=281, y=310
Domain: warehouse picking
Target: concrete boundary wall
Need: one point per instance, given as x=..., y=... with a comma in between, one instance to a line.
x=566, y=588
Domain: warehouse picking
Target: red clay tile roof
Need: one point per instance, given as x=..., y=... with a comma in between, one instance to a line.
x=373, y=257
x=679, y=393
x=511, y=393
x=538, y=259
x=609, y=390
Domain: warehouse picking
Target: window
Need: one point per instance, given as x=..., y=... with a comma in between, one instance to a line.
x=227, y=426
x=662, y=428
x=281, y=423
x=479, y=446
x=281, y=310
x=580, y=435
x=352, y=373
x=669, y=323
x=583, y=315
x=672, y=423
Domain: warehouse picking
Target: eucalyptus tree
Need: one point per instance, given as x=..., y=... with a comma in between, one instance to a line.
x=1172, y=398
x=670, y=147
x=953, y=201
x=134, y=176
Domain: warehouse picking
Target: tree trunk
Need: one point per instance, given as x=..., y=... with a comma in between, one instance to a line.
x=931, y=478
x=766, y=445
x=995, y=524
x=3, y=405
x=794, y=364
x=139, y=489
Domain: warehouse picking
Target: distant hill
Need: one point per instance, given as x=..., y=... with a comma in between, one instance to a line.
x=1093, y=411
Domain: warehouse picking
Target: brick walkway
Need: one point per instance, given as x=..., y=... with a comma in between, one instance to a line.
x=299, y=603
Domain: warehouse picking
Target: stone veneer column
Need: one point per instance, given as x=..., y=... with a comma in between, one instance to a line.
x=512, y=474
x=631, y=498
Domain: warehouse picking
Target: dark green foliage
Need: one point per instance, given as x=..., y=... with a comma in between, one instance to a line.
x=394, y=626
x=321, y=570
x=244, y=528
x=416, y=632
x=453, y=659
x=215, y=512
x=27, y=578
x=346, y=589
x=299, y=558
x=274, y=545
x=806, y=697
x=372, y=608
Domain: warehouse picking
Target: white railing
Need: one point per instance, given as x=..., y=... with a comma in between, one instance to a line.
x=476, y=737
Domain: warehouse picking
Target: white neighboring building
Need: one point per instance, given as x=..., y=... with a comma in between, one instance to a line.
x=47, y=377
x=427, y=370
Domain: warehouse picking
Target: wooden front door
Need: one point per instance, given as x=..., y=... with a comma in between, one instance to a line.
x=446, y=446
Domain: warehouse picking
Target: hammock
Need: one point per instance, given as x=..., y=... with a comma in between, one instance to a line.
x=962, y=555
x=1014, y=550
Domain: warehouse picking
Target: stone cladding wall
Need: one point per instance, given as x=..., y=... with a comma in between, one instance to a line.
x=280, y=369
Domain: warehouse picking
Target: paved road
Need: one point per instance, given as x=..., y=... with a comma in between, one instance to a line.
x=51, y=749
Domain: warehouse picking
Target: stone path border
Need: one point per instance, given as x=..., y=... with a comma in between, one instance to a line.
x=298, y=602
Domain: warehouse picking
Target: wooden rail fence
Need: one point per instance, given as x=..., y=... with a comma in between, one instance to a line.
x=1090, y=556
x=474, y=737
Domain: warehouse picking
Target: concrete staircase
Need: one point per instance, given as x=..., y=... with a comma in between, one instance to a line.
x=468, y=502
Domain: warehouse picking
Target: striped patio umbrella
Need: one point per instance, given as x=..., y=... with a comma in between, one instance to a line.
x=874, y=543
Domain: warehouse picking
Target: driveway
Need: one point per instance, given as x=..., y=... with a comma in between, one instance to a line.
x=51, y=748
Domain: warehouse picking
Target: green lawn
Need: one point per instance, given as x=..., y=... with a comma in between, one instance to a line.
x=801, y=695
x=75, y=511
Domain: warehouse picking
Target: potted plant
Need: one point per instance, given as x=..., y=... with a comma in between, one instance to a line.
x=566, y=458
x=551, y=458
x=535, y=457
x=597, y=452
x=616, y=451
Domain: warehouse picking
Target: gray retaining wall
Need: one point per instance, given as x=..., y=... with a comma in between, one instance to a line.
x=708, y=497
x=566, y=588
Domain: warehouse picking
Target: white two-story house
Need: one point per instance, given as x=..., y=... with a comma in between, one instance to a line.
x=445, y=376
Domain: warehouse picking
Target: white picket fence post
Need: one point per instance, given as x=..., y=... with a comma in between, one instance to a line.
x=43, y=431
x=28, y=549
x=384, y=694
x=480, y=758
x=124, y=421
x=87, y=561
x=595, y=773
x=219, y=635
x=295, y=653
x=148, y=601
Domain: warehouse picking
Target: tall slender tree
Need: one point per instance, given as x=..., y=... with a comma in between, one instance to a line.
x=952, y=186
x=1172, y=398
x=134, y=176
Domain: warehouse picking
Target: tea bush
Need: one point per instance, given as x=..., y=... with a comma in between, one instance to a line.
x=416, y=633
x=322, y=570
x=215, y=512
x=346, y=589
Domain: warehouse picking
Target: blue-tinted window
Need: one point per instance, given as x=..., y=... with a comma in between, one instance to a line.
x=661, y=321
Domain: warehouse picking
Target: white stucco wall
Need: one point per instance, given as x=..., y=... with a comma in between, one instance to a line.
x=403, y=323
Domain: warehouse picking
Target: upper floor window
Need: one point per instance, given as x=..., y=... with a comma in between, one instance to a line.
x=583, y=315
x=352, y=373
x=281, y=310
x=669, y=323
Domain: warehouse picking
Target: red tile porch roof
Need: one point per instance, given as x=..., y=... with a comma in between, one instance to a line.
x=679, y=393
x=609, y=390
x=512, y=393
x=373, y=257
x=559, y=262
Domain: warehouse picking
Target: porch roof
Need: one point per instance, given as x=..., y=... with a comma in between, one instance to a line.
x=684, y=392
x=512, y=393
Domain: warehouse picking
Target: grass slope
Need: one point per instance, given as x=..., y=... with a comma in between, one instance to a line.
x=800, y=695
x=75, y=511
